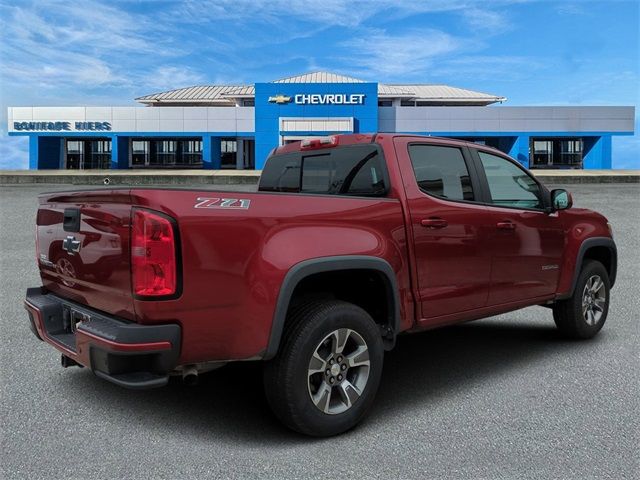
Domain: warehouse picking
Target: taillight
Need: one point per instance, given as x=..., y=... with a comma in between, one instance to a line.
x=153, y=254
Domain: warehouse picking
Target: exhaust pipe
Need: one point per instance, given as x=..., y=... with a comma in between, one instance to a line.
x=190, y=375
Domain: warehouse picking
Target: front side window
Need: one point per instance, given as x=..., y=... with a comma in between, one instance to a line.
x=441, y=171
x=509, y=185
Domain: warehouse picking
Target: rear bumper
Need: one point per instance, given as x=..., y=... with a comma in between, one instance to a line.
x=124, y=353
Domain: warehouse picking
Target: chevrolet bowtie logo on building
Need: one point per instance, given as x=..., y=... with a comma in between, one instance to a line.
x=71, y=245
x=279, y=99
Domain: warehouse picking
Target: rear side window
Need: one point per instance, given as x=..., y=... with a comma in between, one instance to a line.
x=357, y=170
x=441, y=171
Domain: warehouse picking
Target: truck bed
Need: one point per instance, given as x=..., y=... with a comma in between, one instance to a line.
x=234, y=251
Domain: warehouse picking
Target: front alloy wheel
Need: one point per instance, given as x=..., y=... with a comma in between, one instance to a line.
x=594, y=299
x=584, y=313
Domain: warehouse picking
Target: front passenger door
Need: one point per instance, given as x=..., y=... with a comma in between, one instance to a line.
x=527, y=242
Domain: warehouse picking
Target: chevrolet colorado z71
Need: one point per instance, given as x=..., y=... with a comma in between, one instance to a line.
x=350, y=241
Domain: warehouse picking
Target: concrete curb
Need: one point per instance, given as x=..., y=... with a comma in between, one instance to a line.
x=131, y=178
x=251, y=177
x=584, y=179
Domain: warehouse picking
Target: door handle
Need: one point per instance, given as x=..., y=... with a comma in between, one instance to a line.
x=434, y=222
x=507, y=225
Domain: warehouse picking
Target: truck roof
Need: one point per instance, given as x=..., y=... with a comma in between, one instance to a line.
x=354, y=138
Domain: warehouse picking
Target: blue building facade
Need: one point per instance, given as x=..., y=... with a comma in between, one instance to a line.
x=236, y=126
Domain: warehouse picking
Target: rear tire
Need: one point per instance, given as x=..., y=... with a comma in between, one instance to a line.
x=324, y=379
x=583, y=314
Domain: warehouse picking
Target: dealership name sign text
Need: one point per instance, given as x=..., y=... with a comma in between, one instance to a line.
x=62, y=126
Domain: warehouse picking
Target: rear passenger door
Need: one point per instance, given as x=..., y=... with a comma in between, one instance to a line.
x=447, y=228
x=527, y=242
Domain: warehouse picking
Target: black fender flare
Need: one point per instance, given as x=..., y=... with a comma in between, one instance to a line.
x=301, y=270
x=590, y=243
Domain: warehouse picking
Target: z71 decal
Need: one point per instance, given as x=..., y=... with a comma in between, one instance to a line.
x=233, y=203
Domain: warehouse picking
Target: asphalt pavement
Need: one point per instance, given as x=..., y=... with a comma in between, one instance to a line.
x=500, y=398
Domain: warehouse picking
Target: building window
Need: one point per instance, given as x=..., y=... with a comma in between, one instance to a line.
x=86, y=154
x=192, y=152
x=407, y=103
x=556, y=152
x=140, y=153
x=166, y=152
x=228, y=152
x=248, y=102
x=542, y=152
x=75, y=154
x=385, y=103
x=100, y=154
x=570, y=152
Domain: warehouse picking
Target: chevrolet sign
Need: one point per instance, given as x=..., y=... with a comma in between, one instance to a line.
x=320, y=99
x=330, y=99
x=279, y=99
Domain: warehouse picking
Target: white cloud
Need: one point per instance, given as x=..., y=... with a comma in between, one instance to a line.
x=379, y=54
x=325, y=13
x=89, y=24
x=57, y=43
x=14, y=152
x=465, y=68
x=299, y=17
x=167, y=77
x=483, y=19
x=565, y=8
x=53, y=73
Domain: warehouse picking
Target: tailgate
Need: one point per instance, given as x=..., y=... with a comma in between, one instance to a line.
x=83, y=248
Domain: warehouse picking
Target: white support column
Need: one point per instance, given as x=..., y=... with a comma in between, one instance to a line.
x=239, y=153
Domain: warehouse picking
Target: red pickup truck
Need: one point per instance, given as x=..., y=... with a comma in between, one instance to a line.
x=350, y=241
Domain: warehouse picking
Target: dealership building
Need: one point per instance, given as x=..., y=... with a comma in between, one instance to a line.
x=236, y=126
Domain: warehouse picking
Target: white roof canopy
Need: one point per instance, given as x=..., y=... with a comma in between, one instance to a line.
x=226, y=95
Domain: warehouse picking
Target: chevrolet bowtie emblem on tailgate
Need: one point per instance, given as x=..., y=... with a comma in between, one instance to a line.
x=71, y=245
x=279, y=99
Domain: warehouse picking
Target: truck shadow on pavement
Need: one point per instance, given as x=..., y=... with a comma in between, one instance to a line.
x=422, y=371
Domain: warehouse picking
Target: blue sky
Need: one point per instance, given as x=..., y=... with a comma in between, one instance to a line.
x=57, y=52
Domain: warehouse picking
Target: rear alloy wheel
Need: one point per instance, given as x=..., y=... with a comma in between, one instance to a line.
x=327, y=371
x=584, y=313
x=338, y=371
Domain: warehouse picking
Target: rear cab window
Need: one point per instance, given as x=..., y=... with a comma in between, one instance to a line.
x=441, y=171
x=351, y=170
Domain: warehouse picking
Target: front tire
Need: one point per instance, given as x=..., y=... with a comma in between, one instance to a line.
x=324, y=379
x=583, y=315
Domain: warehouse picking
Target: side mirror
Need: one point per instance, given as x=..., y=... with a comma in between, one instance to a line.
x=561, y=199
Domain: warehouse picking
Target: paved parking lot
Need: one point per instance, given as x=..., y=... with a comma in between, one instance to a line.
x=499, y=398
